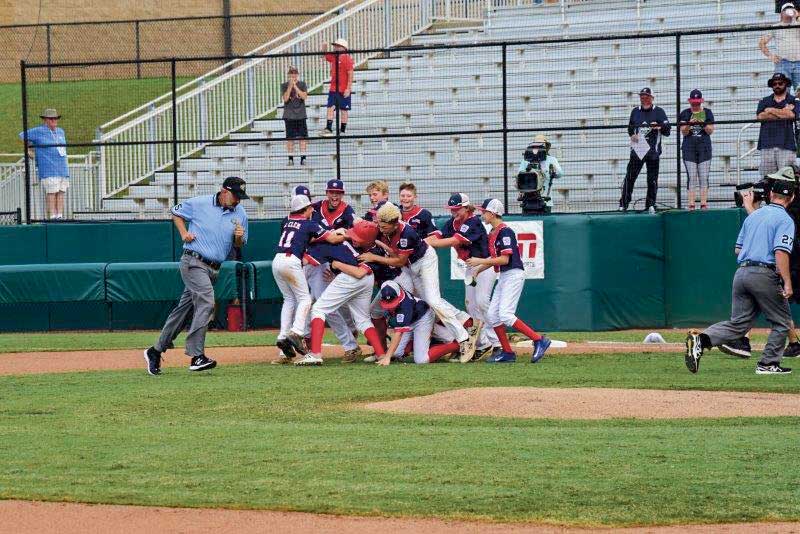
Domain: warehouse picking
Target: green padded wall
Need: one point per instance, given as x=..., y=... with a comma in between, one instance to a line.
x=23, y=244
x=109, y=243
x=147, y=282
x=75, y=282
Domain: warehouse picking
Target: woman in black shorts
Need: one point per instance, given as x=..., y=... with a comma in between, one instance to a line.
x=294, y=93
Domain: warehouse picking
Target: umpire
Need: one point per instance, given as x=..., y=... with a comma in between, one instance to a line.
x=216, y=223
x=762, y=281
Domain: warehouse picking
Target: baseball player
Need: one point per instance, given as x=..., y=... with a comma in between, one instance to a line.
x=413, y=316
x=351, y=287
x=466, y=234
x=407, y=250
x=418, y=218
x=378, y=192
x=297, y=233
x=505, y=258
x=334, y=214
x=216, y=223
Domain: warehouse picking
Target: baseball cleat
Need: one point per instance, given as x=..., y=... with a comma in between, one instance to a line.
x=739, y=347
x=694, y=351
x=371, y=358
x=481, y=354
x=309, y=360
x=351, y=356
x=792, y=350
x=467, y=348
x=539, y=348
x=286, y=348
x=202, y=363
x=502, y=357
x=282, y=360
x=772, y=369
x=153, y=359
x=298, y=342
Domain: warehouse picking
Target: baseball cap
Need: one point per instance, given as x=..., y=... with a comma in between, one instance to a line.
x=696, y=96
x=457, y=200
x=335, y=185
x=646, y=91
x=785, y=181
x=492, y=205
x=235, y=185
x=363, y=232
x=777, y=77
x=298, y=203
x=391, y=295
x=341, y=42
x=302, y=190
x=788, y=5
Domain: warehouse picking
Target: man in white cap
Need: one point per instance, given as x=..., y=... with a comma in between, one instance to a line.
x=341, y=84
x=51, y=161
x=786, y=56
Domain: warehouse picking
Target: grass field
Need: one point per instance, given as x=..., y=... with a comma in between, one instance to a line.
x=261, y=436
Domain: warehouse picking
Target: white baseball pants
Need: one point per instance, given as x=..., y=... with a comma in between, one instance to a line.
x=422, y=331
x=503, y=307
x=349, y=292
x=337, y=321
x=476, y=300
x=425, y=275
x=288, y=274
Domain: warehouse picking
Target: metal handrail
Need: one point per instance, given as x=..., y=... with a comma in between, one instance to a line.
x=739, y=155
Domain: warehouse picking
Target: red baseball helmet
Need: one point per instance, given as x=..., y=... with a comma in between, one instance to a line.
x=363, y=233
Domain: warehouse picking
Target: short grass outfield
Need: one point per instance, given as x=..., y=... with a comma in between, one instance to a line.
x=260, y=436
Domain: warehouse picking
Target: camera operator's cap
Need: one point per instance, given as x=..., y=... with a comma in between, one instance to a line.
x=335, y=185
x=696, y=97
x=341, y=42
x=785, y=181
x=50, y=113
x=492, y=205
x=391, y=295
x=235, y=185
x=646, y=91
x=299, y=202
x=302, y=190
x=457, y=201
x=777, y=77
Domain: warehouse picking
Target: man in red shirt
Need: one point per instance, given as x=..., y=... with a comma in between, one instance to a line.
x=341, y=84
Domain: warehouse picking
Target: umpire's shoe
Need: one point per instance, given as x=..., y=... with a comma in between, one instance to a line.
x=153, y=359
x=202, y=363
x=739, y=347
x=694, y=351
x=298, y=342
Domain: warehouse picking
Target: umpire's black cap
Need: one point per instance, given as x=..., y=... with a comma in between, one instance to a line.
x=235, y=185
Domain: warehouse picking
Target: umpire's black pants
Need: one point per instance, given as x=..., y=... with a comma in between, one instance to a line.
x=634, y=167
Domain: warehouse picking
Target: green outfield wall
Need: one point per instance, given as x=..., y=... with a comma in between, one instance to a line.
x=601, y=272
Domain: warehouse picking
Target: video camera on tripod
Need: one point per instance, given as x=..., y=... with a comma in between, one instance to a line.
x=531, y=182
x=762, y=188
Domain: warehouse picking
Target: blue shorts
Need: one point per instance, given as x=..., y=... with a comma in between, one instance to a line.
x=337, y=99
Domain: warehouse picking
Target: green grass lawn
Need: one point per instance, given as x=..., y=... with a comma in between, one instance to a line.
x=261, y=436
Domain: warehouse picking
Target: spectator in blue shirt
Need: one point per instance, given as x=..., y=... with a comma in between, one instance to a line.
x=651, y=123
x=51, y=161
x=776, y=138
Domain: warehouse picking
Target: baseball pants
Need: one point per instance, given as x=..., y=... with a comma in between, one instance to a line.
x=754, y=289
x=346, y=291
x=195, y=307
x=476, y=301
x=425, y=276
x=503, y=306
x=288, y=274
x=403, y=280
x=340, y=320
x=421, y=332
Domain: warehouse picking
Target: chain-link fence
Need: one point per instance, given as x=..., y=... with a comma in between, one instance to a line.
x=456, y=117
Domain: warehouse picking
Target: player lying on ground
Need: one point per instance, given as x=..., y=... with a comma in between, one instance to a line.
x=505, y=259
x=414, y=320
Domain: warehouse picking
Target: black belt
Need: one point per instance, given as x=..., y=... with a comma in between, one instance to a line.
x=748, y=263
x=213, y=264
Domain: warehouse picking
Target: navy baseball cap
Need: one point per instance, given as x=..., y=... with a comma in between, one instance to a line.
x=235, y=185
x=696, y=96
x=777, y=77
x=302, y=190
x=646, y=91
x=391, y=295
x=457, y=201
x=335, y=185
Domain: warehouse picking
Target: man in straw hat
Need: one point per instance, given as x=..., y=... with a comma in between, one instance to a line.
x=51, y=161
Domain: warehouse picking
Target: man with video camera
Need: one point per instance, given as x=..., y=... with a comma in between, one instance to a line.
x=762, y=281
x=536, y=168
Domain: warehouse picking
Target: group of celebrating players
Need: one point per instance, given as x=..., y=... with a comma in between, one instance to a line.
x=328, y=261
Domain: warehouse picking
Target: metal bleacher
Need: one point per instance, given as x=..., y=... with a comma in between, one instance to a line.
x=549, y=86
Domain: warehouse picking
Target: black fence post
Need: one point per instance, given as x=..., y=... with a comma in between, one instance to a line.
x=138, y=50
x=19, y=216
x=174, y=133
x=505, y=131
x=227, y=31
x=337, y=103
x=49, y=54
x=24, y=88
x=677, y=116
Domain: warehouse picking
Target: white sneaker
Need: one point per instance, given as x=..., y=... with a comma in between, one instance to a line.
x=371, y=359
x=326, y=133
x=651, y=210
x=309, y=359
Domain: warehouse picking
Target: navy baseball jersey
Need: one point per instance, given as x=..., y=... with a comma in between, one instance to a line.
x=408, y=311
x=474, y=242
x=421, y=221
x=320, y=253
x=296, y=235
x=341, y=217
x=503, y=242
x=372, y=214
x=383, y=273
x=406, y=242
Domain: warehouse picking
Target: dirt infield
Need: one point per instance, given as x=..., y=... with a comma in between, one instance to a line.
x=20, y=363
x=594, y=403
x=68, y=518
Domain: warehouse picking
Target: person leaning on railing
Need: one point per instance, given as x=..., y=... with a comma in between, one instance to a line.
x=295, y=92
x=776, y=142
x=51, y=161
x=787, y=44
